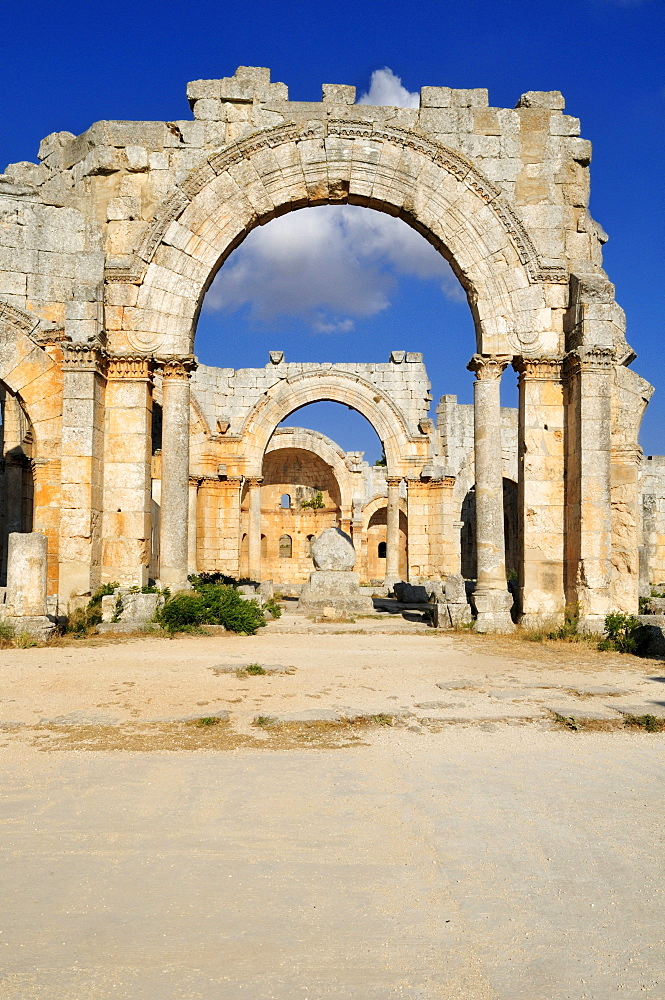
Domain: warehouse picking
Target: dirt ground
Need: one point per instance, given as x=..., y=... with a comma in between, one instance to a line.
x=386, y=811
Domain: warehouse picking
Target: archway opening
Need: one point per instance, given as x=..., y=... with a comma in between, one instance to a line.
x=16, y=476
x=340, y=284
x=510, y=529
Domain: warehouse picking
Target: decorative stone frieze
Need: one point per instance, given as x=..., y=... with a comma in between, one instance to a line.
x=129, y=367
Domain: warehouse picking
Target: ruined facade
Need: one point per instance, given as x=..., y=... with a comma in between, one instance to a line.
x=109, y=243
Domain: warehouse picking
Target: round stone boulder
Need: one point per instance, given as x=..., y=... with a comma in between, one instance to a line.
x=333, y=550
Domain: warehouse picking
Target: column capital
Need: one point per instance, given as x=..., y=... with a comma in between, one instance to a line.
x=488, y=367
x=129, y=366
x=589, y=359
x=83, y=358
x=177, y=369
x=253, y=480
x=539, y=369
x=394, y=480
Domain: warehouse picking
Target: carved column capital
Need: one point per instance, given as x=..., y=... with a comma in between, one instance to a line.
x=539, y=369
x=177, y=369
x=130, y=366
x=394, y=480
x=83, y=358
x=254, y=480
x=590, y=359
x=488, y=367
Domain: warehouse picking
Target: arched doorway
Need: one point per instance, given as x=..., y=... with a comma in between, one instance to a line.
x=16, y=474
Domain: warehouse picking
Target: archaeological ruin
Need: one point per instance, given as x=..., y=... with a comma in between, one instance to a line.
x=138, y=464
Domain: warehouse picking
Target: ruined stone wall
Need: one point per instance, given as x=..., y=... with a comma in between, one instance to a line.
x=226, y=397
x=108, y=244
x=653, y=519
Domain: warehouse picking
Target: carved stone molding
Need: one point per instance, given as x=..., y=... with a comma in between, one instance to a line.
x=253, y=480
x=486, y=368
x=177, y=369
x=592, y=359
x=539, y=369
x=394, y=480
x=83, y=358
x=129, y=366
x=453, y=162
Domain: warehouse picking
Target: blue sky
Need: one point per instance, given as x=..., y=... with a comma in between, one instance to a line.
x=69, y=64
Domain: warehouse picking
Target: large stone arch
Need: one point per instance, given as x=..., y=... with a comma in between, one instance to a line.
x=436, y=190
x=403, y=450
x=35, y=379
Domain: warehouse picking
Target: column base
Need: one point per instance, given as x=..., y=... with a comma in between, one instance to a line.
x=173, y=579
x=493, y=611
x=591, y=623
x=390, y=581
x=542, y=619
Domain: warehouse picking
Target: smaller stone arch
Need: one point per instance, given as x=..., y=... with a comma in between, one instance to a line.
x=325, y=448
x=404, y=449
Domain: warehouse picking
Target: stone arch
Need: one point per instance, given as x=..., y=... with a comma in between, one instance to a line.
x=374, y=535
x=33, y=376
x=324, y=447
x=436, y=190
x=35, y=379
x=403, y=450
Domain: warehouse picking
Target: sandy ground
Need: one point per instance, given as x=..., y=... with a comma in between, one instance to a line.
x=453, y=841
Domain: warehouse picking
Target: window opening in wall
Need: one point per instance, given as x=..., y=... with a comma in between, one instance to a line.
x=285, y=547
x=310, y=539
x=381, y=550
x=286, y=501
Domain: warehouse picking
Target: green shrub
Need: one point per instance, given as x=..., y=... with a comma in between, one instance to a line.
x=83, y=619
x=211, y=604
x=624, y=634
x=6, y=635
x=315, y=503
x=182, y=613
x=200, y=579
x=273, y=608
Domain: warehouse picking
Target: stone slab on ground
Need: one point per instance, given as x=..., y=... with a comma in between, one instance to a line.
x=268, y=668
x=307, y=715
x=644, y=708
x=583, y=713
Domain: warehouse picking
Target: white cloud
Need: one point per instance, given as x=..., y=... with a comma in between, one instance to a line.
x=327, y=266
x=385, y=88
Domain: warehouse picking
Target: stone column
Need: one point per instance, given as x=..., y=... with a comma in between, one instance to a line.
x=541, y=490
x=83, y=390
x=194, y=483
x=254, y=529
x=127, y=466
x=392, y=531
x=491, y=596
x=588, y=376
x=174, y=518
x=26, y=575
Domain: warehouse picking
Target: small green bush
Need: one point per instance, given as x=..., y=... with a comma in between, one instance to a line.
x=6, y=635
x=255, y=669
x=315, y=503
x=211, y=604
x=624, y=634
x=273, y=608
x=83, y=619
x=182, y=613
